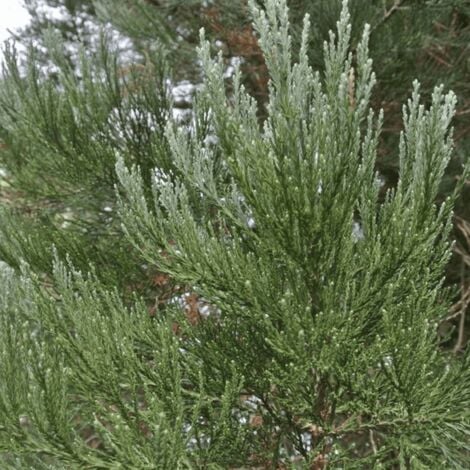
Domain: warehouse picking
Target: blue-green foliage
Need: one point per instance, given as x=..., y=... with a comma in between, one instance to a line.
x=319, y=342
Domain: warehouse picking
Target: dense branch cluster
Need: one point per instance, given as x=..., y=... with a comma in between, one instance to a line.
x=220, y=292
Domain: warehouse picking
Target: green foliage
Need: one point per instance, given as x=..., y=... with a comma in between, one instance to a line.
x=318, y=347
x=62, y=130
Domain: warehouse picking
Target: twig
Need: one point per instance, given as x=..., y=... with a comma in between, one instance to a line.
x=463, y=309
x=461, y=336
x=389, y=13
x=372, y=441
x=462, y=112
x=438, y=59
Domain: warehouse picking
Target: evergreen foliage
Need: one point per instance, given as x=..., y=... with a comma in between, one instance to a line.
x=60, y=140
x=423, y=39
x=314, y=343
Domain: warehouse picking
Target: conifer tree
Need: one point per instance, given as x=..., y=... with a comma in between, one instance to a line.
x=314, y=340
x=423, y=39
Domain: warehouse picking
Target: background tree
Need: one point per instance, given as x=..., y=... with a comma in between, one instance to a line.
x=60, y=140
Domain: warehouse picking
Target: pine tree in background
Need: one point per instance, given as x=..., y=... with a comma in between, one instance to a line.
x=60, y=141
x=74, y=19
x=313, y=339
